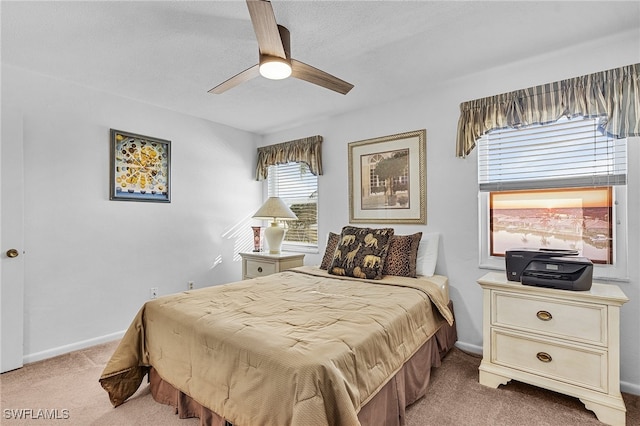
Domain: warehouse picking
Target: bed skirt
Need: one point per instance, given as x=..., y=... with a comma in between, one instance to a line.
x=386, y=408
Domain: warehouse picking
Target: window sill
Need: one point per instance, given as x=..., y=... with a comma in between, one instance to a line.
x=295, y=248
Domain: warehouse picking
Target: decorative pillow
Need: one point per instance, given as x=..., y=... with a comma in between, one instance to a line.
x=332, y=243
x=428, y=254
x=402, y=255
x=361, y=252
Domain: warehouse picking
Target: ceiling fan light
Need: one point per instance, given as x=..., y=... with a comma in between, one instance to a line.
x=275, y=69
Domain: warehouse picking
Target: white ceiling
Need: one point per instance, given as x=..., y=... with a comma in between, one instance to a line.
x=170, y=53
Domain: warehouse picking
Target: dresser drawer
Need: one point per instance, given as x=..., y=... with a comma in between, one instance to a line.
x=577, y=365
x=260, y=264
x=565, y=319
x=257, y=268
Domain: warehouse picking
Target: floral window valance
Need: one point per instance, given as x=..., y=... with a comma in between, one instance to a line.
x=613, y=95
x=307, y=150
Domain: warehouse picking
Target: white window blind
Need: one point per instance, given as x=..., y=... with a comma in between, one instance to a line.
x=567, y=153
x=298, y=188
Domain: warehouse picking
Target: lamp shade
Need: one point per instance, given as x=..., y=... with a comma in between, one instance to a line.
x=274, y=209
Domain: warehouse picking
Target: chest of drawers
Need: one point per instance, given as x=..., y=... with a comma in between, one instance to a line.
x=565, y=341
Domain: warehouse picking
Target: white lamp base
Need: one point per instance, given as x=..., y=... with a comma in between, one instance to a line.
x=274, y=235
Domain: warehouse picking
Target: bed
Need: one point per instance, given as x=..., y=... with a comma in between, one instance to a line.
x=300, y=347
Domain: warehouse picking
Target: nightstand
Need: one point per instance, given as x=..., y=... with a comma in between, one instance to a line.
x=259, y=264
x=565, y=341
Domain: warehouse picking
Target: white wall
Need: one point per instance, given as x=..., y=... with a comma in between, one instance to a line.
x=452, y=197
x=89, y=261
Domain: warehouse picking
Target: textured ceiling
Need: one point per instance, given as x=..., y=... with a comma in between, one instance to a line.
x=170, y=53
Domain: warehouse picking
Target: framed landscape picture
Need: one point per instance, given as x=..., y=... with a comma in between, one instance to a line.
x=140, y=168
x=387, y=179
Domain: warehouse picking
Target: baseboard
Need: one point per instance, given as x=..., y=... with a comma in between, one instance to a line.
x=625, y=387
x=468, y=347
x=631, y=388
x=61, y=350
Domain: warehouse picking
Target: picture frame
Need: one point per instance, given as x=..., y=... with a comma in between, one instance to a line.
x=387, y=179
x=140, y=168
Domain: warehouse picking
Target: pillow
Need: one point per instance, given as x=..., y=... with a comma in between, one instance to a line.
x=361, y=252
x=332, y=243
x=427, y=254
x=402, y=255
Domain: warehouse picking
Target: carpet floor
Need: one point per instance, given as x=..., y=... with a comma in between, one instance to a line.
x=65, y=391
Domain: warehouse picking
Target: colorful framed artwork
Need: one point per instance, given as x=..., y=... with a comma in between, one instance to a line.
x=387, y=179
x=140, y=168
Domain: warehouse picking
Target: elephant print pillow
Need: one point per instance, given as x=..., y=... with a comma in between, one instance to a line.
x=361, y=252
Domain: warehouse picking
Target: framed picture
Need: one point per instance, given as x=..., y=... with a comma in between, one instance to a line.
x=387, y=179
x=140, y=168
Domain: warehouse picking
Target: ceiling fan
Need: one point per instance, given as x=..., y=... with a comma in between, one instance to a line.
x=275, y=55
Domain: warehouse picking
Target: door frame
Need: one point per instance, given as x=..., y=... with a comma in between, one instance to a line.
x=11, y=237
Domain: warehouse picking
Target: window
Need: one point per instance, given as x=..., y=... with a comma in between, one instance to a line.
x=298, y=188
x=376, y=186
x=561, y=185
x=568, y=219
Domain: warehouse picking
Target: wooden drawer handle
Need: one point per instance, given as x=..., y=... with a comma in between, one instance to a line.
x=544, y=315
x=544, y=357
x=259, y=268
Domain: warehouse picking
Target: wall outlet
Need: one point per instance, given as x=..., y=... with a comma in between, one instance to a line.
x=190, y=285
x=153, y=292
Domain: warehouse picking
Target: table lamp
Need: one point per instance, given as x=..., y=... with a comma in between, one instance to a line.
x=274, y=209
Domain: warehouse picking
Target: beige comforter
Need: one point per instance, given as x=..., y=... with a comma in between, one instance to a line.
x=301, y=347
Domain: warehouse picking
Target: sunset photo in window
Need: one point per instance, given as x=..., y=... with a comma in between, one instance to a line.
x=577, y=219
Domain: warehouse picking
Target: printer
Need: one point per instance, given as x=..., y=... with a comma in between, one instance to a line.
x=566, y=273
x=561, y=269
x=518, y=259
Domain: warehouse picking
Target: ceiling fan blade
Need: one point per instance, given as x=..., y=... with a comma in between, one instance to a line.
x=245, y=75
x=313, y=75
x=266, y=28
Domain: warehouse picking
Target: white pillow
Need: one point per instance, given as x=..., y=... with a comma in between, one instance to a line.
x=427, y=254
